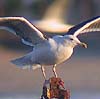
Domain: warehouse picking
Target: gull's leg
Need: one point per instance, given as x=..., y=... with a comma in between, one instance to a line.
x=54, y=70
x=43, y=72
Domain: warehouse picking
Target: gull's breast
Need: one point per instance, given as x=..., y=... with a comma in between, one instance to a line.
x=56, y=56
x=50, y=54
x=63, y=53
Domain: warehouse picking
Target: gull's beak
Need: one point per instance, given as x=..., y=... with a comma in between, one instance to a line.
x=83, y=45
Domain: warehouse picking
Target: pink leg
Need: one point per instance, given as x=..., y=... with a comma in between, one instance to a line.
x=43, y=72
x=54, y=70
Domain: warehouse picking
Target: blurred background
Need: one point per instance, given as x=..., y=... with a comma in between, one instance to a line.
x=81, y=72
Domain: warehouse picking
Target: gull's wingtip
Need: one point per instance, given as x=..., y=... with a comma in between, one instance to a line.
x=77, y=29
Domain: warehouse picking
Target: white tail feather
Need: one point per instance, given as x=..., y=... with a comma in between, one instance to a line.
x=25, y=63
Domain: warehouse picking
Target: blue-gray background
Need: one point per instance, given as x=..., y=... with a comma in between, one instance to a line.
x=81, y=72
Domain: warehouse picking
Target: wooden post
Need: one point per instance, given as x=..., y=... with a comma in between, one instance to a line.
x=54, y=88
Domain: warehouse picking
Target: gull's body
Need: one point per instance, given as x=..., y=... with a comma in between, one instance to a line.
x=50, y=52
x=46, y=51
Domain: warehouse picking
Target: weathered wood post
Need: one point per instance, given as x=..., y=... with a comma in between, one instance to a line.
x=54, y=88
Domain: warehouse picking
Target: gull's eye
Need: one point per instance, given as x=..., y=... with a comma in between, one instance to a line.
x=71, y=39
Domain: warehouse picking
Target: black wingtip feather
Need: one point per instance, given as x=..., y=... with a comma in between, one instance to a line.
x=80, y=25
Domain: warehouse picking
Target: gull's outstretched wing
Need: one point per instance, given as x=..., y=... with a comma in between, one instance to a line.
x=20, y=26
x=86, y=26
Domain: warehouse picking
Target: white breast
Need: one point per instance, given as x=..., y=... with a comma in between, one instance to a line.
x=60, y=50
x=51, y=53
x=63, y=53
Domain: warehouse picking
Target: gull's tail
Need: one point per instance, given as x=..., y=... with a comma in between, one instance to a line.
x=25, y=62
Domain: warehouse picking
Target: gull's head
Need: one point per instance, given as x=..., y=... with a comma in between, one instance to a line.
x=73, y=41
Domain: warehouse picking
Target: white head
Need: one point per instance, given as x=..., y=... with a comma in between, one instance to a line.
x=73, y=40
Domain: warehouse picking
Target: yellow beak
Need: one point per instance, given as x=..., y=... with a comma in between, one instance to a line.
x=83, y=45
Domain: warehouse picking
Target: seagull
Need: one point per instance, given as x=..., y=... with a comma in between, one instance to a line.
x=46, y=51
